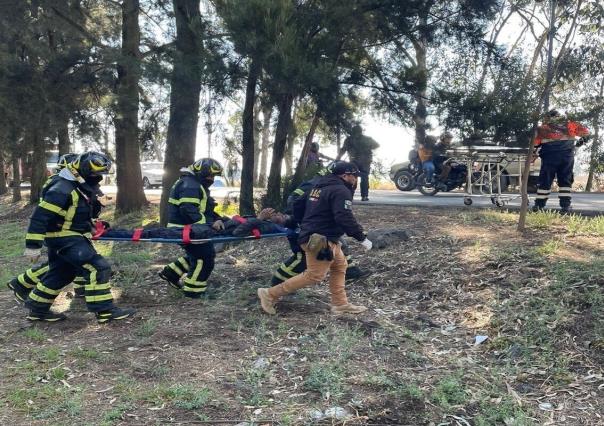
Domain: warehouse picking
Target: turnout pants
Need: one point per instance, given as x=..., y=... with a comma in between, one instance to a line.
x=198, y=265
x=28, y=280
x=315, y=272
x=69, y=257
x=557, y=162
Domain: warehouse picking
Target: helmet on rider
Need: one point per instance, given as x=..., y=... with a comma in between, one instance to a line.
x=206, y=169
x=65, y=159
x=446, y=137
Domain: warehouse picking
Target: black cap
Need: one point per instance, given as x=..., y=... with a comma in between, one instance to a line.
x=344, y=168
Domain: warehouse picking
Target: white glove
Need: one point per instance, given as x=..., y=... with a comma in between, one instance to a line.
x=32, y=255
x=366, y=244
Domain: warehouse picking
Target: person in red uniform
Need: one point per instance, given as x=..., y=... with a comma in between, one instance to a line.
x=555, y=144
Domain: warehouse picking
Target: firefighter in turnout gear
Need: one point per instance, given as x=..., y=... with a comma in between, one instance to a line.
x=25, y=282
x=296, y=263
x=325, y=214
x=63, y=222
x=555, y=144
x=190, y=203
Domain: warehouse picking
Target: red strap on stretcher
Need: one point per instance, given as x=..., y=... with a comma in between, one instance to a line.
x=136, y=236
x=186, y=234
x=99, y=230
x=255, y=231
x=239, y=219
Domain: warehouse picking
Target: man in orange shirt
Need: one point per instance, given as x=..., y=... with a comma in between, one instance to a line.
x=555, y=144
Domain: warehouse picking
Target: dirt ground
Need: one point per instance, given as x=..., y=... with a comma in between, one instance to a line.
x=412, y=359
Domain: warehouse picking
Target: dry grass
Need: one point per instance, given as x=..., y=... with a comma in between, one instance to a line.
x=410, y=360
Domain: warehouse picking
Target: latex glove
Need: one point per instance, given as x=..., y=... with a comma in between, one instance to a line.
x=366, y=244
x=266, y=213
x=32, y=255
x=218, y=225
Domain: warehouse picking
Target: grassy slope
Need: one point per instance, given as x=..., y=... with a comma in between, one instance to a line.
x=410, y=360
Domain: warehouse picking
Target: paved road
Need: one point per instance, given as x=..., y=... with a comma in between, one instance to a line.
x=582, y=202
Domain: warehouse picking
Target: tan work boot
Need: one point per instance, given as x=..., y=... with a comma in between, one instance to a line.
x=348, y=308
x=266, y=301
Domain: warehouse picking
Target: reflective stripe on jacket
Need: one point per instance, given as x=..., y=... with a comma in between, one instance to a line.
x=188, y=203
x=64, y=211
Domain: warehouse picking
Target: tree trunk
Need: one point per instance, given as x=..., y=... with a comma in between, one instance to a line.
x=267, y=112
x=301, y=166
x=595, y=146
x=256, y=143
x=3, y=186
x=16, y=176
x=542, y=105
x=421, y=110
x=291, y=144
x=130, y=194
x=246, y=194
x=184, y=97
x=63, y=135
x=273, y=190
x=593, y=158
x=38, y=166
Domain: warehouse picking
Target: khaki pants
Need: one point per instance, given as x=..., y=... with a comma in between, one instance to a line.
x=316, y=271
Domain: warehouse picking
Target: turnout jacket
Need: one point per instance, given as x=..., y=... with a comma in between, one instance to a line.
x=66, y=209
x=190, y=203
x=327, y=210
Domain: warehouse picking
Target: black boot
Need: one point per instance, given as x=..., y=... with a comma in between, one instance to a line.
x=45, y=316
x=564, y=210
x=354, y=272
x=171, y=277
x=114, y=313
x=21, y=293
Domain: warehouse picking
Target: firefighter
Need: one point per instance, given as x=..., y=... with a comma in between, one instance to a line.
x=190, y=203
x=555, y=144
x=296, y=263
x=360, y=151
x=63, y=221
x=25, y=282
x=325, y=213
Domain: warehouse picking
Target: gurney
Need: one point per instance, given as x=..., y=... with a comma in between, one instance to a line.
x=236, y=229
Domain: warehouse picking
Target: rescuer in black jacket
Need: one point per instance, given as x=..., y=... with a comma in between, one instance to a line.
x=296, y=263
x=63, y=221
x=325, y=214
x=190, y=203
x=22, y=284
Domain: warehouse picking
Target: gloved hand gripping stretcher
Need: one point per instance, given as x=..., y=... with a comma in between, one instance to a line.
x=235, y=229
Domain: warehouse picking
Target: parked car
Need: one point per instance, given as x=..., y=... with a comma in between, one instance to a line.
x=153, y=172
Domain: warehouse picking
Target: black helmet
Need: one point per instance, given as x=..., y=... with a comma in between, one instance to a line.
x=206, y=167
x=343, y=168
x=91, y=163
x=65, y=159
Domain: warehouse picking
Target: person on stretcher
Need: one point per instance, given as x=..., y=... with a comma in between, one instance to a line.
x=236, y=227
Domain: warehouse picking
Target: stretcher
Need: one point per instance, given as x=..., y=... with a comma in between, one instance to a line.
x=490, y=169
x=236, y=229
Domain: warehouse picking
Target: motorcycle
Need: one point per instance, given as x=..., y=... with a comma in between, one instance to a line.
x=456, y=178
